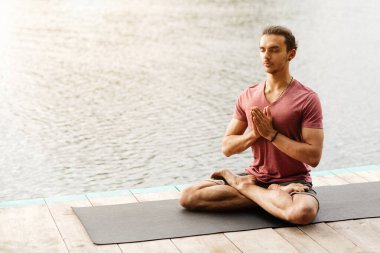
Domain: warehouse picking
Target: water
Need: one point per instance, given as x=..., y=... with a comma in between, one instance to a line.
x=107, y=94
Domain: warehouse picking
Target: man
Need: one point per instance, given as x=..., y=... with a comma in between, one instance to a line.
x=284, y=121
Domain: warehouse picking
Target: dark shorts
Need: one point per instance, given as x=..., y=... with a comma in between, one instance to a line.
x=310, y=191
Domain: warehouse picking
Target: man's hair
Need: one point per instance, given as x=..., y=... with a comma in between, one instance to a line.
x=290, y=41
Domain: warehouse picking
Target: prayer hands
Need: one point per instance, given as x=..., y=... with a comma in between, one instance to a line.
x=262, y=122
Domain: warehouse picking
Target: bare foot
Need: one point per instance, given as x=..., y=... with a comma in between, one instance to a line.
x=293, y=187
x=232, y=179
x=225, y=174
x=274, y=187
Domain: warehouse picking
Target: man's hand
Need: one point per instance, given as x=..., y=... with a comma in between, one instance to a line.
x=235, y=140
x=262, y=122
x=254, y=128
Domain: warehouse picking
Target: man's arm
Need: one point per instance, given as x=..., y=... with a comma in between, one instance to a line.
x=309, y=151
x=234, y=140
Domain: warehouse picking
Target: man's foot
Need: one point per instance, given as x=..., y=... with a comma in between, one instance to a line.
x=293, y=187
x=232, y=179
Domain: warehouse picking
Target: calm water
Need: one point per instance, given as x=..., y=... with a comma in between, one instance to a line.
x=101, y=95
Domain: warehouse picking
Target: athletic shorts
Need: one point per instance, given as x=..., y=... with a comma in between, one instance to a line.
x=310, y=191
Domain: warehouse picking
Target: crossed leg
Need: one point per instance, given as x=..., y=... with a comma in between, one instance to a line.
x=242, y=192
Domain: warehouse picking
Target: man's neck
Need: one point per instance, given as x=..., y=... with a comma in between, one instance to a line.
x=278, y=81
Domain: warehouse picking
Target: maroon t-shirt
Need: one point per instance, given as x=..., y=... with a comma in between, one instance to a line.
x=298, y=107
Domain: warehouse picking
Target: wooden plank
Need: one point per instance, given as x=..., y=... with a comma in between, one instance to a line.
x=73, y=232
x=318, y=181
x=361, y=232
x=167, y=192
x=375, y=222
x=29, y=229
x=102, y=199
x=157, y=196
x=261, y=240
x=158, y=246
x=371, y=175
x=301, y=241
x=350, y=177
x=333, y=180
x=217, y=243
x=117, y=200
x=329, y=239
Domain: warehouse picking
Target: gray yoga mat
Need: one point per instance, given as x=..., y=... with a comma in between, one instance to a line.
x=165, y=219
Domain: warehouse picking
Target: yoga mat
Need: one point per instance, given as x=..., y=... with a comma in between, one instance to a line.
x=166, y=219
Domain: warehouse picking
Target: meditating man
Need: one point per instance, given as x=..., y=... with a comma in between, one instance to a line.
x=284, y=121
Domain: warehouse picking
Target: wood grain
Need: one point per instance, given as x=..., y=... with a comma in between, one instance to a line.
x=330, y=239
x=216, y=243
x=29, y=229
x=261, y=240
x=301, y=241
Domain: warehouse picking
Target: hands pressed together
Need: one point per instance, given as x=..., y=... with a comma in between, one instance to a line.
x=262, y=122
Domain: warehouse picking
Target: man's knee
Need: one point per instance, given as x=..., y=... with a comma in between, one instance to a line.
x=188, y=198
x=302, y=214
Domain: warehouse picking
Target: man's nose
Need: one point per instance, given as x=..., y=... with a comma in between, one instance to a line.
x=266, y=55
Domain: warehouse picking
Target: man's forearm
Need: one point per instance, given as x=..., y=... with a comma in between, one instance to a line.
x=300, y=151
x=234, y=144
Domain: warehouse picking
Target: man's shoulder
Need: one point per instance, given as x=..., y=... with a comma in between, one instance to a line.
x=300, y=87
x=302, y=93
x=255, y=87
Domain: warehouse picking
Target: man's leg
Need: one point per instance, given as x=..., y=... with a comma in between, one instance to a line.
x=210, y=196
x=297, y=209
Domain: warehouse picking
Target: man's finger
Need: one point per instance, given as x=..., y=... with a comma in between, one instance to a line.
x=260, y=125
x=257, y=112
x=253, y=120
x=257, y=125
x=253, y=108
x=269, y=112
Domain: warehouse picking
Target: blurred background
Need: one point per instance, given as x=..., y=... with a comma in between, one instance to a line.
x=100, y=95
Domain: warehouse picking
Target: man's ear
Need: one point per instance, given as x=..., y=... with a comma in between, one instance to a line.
x=291, y=54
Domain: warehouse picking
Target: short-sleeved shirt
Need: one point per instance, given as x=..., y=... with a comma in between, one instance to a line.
x=298, y=107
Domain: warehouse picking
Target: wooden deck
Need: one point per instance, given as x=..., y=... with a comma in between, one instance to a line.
x=49, y=225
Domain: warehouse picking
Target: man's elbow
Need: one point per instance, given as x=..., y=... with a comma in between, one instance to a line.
x=314, y=160
x=226, y=151
x=314, y=164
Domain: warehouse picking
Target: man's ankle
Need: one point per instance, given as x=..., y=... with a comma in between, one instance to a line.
x=274, y=187
x=241, y=185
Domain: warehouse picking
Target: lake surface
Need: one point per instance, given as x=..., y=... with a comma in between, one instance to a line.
x=100, y=95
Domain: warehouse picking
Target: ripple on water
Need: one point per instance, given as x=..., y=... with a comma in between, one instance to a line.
x=115, y=94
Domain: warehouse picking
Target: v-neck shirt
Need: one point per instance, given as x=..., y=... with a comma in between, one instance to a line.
x=298, y=107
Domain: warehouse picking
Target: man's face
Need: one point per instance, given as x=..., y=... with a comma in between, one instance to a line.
x=273, y=53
